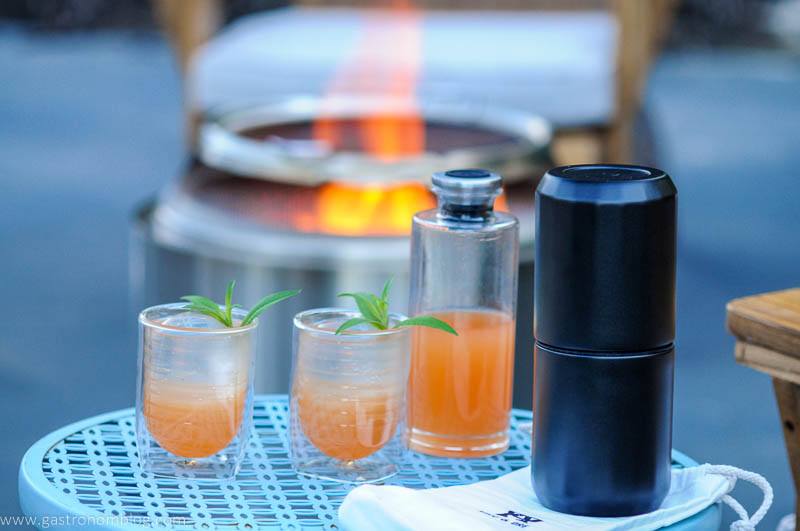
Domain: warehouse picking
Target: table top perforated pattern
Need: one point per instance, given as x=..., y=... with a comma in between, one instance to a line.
x=97, y=468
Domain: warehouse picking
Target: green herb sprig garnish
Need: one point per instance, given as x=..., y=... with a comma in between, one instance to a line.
x=206, y=306
x=375, y=312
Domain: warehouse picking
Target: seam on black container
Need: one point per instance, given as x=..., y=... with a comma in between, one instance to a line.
x=607, y=353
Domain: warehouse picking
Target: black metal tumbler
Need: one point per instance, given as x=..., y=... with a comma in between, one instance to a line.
x=604, y=322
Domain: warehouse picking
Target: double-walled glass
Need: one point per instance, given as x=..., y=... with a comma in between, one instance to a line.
x=464, y=267
x=347, y=397
x=194, y=405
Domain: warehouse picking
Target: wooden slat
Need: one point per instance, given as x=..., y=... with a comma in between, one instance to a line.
x=770, y=320
x=189, y=24
x=776, y=364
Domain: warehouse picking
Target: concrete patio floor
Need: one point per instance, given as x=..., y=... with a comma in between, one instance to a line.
x=91, y=126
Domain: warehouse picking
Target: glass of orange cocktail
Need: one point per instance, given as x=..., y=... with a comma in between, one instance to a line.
x=195, y=392
x=348, y=397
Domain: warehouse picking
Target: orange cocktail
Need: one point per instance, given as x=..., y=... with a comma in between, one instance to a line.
x=192, y=420
x=348, y=424
x=459, y=396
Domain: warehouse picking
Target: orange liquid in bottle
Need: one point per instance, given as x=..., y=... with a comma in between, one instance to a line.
x=344, y=423
x=460, y=387
x=192, y=421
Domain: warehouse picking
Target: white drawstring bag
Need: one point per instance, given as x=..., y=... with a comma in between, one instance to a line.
x=509, y=503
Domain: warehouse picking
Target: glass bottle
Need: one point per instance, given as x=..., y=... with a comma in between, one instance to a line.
x=464, y=267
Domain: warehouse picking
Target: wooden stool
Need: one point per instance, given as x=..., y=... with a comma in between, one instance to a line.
x=767, y=330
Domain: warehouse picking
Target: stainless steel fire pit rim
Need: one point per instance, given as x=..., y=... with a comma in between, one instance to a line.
x=182, y=223
x=309, y=163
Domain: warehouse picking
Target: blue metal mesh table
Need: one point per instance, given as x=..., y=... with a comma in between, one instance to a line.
x=87, y=475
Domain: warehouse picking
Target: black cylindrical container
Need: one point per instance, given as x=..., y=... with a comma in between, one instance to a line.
x=604, y=322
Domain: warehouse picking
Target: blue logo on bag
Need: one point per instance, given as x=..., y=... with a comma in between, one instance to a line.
x=513, y=518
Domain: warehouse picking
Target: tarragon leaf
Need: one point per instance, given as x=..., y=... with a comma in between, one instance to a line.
x=375, y=311
x=383, y=308
x=266, y=302
x=228, y=302
x=206, y=306
x=386, y=288
x=199, y=300
x=430, y=322
x=369, y=306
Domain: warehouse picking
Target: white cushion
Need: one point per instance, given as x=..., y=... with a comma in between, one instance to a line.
x=557, y=64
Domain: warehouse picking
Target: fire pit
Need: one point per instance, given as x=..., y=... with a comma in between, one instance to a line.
x=295, y=194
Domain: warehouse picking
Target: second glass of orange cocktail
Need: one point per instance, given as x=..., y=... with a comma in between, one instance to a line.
x=348, y=392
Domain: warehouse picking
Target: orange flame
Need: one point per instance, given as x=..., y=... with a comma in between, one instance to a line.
x=355, y=210
x=368, y=210
x=386, y=63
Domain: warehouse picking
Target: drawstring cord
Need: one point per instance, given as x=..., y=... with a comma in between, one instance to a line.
x=745, y=522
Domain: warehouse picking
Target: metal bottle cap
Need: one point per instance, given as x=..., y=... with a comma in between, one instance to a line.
x=467, y=194
x=605, y=258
